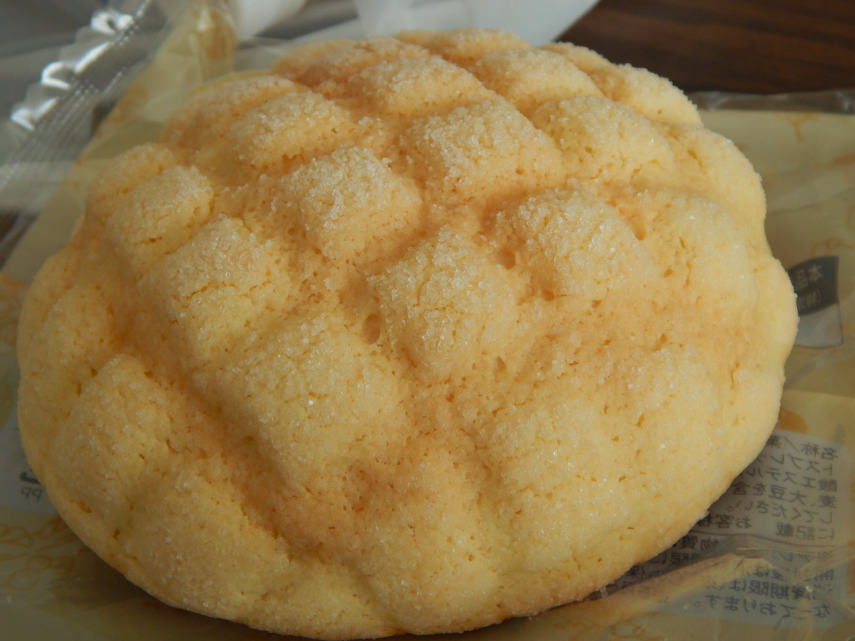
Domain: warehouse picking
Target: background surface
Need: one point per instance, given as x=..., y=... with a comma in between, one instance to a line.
x=755, y=46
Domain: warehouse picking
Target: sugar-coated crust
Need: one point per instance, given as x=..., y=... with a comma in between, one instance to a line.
x=410, y=334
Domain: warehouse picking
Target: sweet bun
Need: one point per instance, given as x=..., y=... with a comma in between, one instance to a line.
x=410, y=334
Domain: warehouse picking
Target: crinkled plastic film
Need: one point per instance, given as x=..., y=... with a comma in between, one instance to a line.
x=56, y=118
x=773, y=559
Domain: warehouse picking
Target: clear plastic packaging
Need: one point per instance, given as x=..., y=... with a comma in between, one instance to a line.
x=773, y=559
x=57, y=117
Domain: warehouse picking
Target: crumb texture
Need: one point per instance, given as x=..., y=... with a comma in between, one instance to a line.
x=409, y=334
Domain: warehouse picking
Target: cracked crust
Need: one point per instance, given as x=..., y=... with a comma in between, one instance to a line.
x=409, y=335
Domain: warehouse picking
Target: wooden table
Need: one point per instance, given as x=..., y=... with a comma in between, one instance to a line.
x=754, y=46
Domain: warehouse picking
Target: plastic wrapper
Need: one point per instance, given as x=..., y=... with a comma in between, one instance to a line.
x=774, y=558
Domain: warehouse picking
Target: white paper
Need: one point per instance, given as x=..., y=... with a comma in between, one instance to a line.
x=535, y=21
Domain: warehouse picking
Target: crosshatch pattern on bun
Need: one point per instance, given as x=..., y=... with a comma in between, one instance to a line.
x=409, y=334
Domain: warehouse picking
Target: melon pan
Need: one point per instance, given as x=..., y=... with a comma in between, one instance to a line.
x=408, y=334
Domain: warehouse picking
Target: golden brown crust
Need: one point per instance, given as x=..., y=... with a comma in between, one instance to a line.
x=416, y=335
